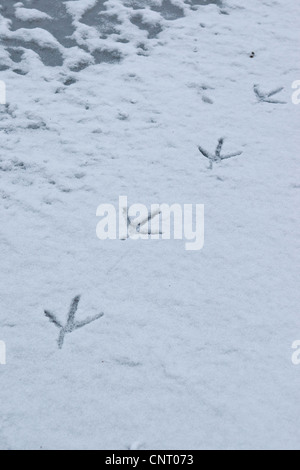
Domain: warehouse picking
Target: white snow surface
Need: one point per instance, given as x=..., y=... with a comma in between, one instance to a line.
x=194, y=349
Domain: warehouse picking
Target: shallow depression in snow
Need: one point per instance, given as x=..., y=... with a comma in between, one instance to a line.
x=96, y=20
x=194, y=350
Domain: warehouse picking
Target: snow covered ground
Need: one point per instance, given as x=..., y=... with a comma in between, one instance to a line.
x=112, y=98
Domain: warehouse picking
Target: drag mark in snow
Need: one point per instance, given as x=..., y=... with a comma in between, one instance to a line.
x=267, y=97
x=71, y=324
x=217, y=157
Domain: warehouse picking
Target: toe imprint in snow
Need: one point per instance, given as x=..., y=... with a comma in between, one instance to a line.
x=217, y=157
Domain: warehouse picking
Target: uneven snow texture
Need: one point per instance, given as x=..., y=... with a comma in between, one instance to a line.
x=194, y=349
